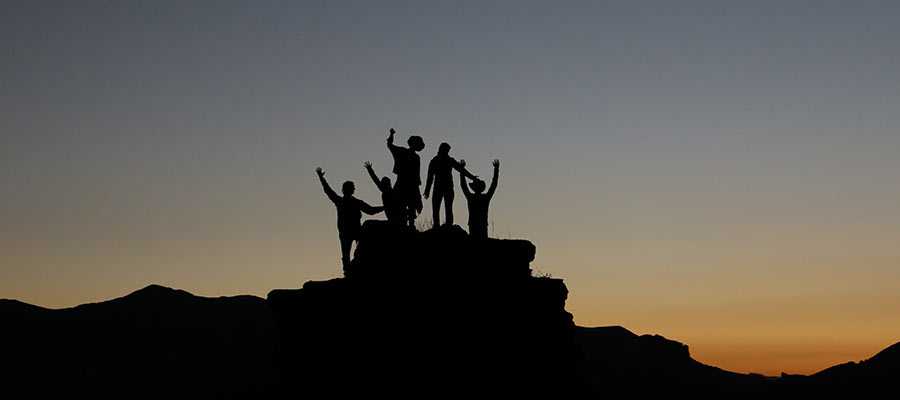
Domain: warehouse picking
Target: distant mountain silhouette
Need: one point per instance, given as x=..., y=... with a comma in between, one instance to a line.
x=876, y=375
x=419, y=314
x=155, y=342
x=884, y=365
x=620, y=361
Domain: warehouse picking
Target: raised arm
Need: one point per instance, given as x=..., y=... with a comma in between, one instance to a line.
x=464, y=185
x=461, y=167
x=493, y=188
x=368, y=209
x=372, y=174
x=430, y=179
x=390, y=140
x=328, y=191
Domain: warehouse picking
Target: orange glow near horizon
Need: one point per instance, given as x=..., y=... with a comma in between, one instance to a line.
x=758, y=320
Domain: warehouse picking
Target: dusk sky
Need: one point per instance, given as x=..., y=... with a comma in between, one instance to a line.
x=723, y=173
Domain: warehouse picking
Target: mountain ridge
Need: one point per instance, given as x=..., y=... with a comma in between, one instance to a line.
x=402, y=322
x=614, y=335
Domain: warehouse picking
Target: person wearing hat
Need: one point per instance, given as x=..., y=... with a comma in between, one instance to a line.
x=409, y=178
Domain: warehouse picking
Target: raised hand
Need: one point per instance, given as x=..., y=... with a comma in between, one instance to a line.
x=496, y=164
x=368, y=164
x=462, y=163
x=390, y=138
x=320, y=172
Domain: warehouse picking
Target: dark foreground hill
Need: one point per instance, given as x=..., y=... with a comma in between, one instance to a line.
x=419, y=314
x=154, y=343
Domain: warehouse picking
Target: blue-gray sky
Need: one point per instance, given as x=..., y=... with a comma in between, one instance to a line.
x=724, y=173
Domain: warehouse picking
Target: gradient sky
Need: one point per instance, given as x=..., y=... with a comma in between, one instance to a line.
x=721, y=173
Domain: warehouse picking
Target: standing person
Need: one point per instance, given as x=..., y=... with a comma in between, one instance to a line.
x=440, y=172
x=479, y=202
x=349, y=214
x=388, y=197
x=409, y=177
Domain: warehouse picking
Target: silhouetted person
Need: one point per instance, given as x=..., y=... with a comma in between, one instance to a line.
x=389, y=200
x=349, y=214
x=479, y=202
x=409, y=178
x=440, y=171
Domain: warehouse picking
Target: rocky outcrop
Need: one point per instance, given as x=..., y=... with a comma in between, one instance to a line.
x=430, y=312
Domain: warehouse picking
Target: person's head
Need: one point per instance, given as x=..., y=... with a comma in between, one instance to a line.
x=348, y=188
x=415, y=143
x=444, y=149
x=477, y=186
x=385, y=182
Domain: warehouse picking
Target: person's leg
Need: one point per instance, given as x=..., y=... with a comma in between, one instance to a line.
x=448, y=205
x=478, y=230
x=416, y=196
x=436, y=207
x=414, y=202
x=405, y=203
x=410, y=216
x=346, y=243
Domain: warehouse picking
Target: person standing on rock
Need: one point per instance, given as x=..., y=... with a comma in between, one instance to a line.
x=479, y=202
x=388, y=197
x=409, y=177
x=440, y=172
x=349, y=214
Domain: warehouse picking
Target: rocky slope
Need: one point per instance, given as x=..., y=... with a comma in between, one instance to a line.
x=431, y=311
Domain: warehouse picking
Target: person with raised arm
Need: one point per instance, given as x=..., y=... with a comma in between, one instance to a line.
x=349, y=214
x=440, y=172
x=388, y=196
x=409, y=177
x=479, y=202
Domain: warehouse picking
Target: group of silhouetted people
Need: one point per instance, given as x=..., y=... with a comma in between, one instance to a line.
x=402, y=203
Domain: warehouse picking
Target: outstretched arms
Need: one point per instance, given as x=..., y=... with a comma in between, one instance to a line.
x=368, y=209
x=464, y=185
x=461, y=167
x=493, y=188
x=372, y=174
x=328, y=191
